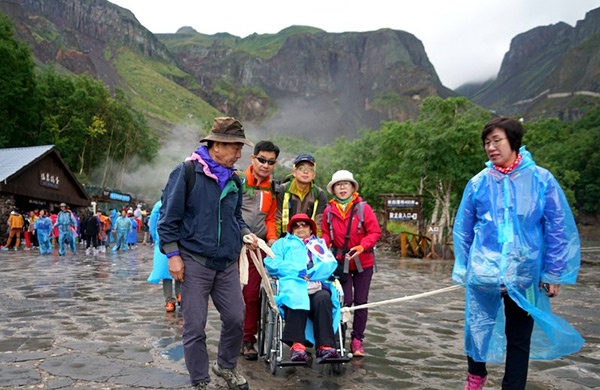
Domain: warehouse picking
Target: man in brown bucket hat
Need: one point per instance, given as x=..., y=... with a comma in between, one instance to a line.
x=201, y=230
x=227, y=129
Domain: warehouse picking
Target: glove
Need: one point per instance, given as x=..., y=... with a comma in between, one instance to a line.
x=355, y=251
x=302, y=274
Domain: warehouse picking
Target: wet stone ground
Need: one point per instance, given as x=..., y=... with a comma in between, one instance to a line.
x=77, y=321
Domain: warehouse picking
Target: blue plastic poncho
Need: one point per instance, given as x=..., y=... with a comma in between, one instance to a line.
x=291, y=257
x=515, y=230
x=160, y=266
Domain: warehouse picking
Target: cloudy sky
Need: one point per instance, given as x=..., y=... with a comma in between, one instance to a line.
x=465, y=40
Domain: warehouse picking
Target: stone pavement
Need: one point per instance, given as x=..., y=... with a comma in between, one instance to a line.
x=77, y=321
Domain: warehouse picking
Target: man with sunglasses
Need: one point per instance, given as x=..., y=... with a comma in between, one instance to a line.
x=300, y=195
x=258, y=210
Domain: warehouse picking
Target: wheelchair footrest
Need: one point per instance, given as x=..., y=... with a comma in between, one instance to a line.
x=289, y=363
x=333, y=360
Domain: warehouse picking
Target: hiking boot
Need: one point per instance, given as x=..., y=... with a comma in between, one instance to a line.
x=200, y=386
x=356, y=348
x=248, y=351
x=234, y=380
x=170, y=307
x=475, y=382
x=298, y=353
x=326, y=352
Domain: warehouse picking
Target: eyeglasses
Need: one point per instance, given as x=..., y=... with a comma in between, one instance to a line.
x=342, y=184
x=265, y=161
x=300, y=224
x=305, y=168
x=496, y=142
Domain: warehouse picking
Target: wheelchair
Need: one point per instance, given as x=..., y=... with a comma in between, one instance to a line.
x=270, y=330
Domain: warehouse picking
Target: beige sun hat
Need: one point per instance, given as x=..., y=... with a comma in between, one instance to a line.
x=342, y=175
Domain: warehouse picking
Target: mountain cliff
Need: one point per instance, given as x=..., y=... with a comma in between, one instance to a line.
x=301, y=81
x=106, y=41
x=548, y=71
x=306, y=81
x=77, y=34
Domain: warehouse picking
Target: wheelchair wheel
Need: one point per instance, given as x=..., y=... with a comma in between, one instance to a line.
x=264, y=341
x=275, y=345
x=269, y=344
x=273, y=362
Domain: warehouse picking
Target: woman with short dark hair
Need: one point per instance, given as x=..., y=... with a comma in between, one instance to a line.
x=515, y=243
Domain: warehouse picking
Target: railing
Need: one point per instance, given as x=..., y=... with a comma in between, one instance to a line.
x=414, y=245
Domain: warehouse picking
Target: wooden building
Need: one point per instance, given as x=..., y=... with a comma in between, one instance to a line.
x=37, y=177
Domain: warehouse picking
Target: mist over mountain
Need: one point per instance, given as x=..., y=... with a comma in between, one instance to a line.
x=301, y=81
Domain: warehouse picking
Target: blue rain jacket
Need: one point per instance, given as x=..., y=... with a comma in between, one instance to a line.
x=160, y=265
x=291, y=257
x=515, y=230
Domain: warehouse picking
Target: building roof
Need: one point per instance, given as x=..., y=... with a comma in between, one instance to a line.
x=12, y=160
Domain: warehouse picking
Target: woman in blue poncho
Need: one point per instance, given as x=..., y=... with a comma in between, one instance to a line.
x=303, y=265
x=160, y=268
x=515, y=244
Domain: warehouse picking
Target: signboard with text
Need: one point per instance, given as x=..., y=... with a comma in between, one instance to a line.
x=49, y=180
x=406, y=208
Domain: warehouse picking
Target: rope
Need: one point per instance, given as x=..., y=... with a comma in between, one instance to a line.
x=257, y=260
x=347, y=311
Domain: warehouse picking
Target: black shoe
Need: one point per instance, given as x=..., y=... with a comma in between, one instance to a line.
x=248, y=351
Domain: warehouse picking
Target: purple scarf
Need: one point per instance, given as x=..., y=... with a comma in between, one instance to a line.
x=212, y=168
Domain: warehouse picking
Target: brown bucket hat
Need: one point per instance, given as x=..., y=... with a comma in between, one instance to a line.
x=227, y=129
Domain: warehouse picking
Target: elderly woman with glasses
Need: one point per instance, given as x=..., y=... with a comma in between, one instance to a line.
x=515, y=244
x=350, y=228
x=303, y=266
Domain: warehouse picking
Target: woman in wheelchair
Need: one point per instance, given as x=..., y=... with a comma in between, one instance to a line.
x=303, y=266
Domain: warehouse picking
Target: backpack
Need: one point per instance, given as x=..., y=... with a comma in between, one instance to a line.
x=360, y=212
x=250, y=189
x=190, y=177
x=285, y=204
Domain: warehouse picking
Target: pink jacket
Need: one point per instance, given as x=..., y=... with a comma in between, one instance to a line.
x=366, y=235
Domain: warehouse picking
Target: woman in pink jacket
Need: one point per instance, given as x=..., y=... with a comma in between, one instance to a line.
x=351, y=230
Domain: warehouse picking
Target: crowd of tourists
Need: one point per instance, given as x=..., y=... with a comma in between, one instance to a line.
x=64, y=229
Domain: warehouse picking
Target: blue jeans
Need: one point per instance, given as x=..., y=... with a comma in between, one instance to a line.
x=225, y=290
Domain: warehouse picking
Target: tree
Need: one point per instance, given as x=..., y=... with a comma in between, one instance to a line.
x=18, y=100
x=91, y=128
x=447, y=152
x=434, y=156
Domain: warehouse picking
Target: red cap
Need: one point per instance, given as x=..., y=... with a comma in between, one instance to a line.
x=302, y=217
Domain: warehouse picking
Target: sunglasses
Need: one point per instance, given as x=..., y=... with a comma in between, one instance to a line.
x=300, y=224
x=265, y=161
